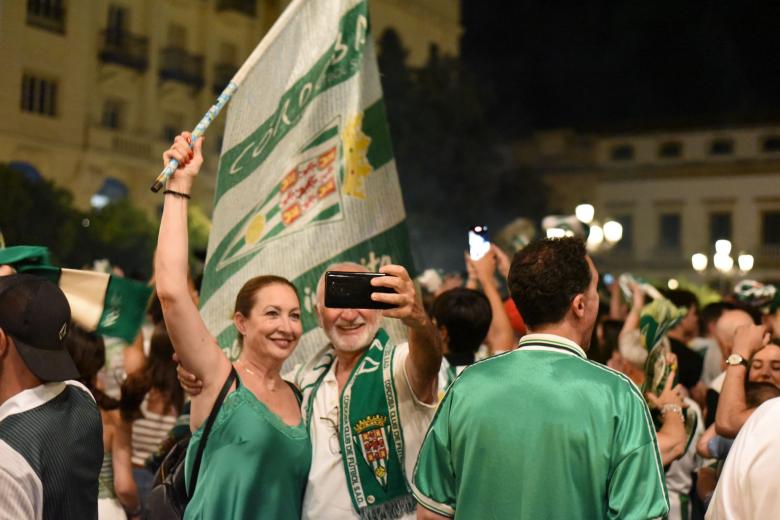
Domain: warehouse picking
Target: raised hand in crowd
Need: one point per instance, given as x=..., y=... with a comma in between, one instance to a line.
x=501, y=336
x=733, y=409
x=672, y=436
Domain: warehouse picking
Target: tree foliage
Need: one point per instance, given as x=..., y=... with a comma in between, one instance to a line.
x=36, y=212
x=447, y=154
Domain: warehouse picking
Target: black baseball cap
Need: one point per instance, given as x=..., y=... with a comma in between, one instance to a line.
x=36, y=314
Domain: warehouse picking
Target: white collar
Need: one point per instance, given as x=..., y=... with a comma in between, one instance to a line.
x=551, y=342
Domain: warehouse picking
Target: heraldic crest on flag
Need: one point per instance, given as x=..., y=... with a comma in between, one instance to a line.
x=311, y=190
x=371, y=433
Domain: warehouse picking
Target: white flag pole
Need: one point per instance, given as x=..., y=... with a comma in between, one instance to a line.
x=230, y=89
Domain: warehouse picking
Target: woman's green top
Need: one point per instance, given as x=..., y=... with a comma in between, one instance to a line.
x=254, y=465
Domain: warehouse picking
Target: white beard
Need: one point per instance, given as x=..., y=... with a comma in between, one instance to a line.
x=352, y=343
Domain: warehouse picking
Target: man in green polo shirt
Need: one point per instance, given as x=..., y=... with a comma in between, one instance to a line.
x=542, y=432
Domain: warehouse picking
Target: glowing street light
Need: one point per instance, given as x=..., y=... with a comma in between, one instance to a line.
x=673, y=284
x=585, y=213
x=723, y=262
x=723, y=247
x=613, y=231
x=699, y=262
x=556, y=232
x=595, y=236
x=745, y=262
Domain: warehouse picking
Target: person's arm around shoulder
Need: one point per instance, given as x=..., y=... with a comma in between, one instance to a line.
x=194, y=345
x=424, y=360
x=733, y=410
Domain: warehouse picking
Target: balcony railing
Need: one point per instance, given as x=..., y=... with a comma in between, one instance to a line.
x=46, y=15
x=178, y=65
x=125, y=49
x=223, y=73
x=247, y=7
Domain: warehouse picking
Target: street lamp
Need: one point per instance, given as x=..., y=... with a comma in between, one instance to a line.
x=745, y=262
x=723, y=262
x=556, y=232
x=723, y=247
x=699, y=262
x=613, y=231
x=585, y=213
x=595, y=236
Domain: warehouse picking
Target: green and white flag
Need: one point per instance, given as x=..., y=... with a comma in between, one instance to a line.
x=307, y=176
x=109, y=305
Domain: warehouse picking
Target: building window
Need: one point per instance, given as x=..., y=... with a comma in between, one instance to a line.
x=626, y=243
x=113, y=114
x=720, y=226
x=173, y=125
x=771, y=144
x=177, y=36
x=770, y=228
x=670, y=150
x=117, y=18
x=622, y=152
x=46, y=14
x=669, y=225
x=722, y=147
x=39, y=95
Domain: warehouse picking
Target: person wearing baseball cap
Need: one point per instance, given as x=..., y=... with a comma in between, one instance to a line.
x=50, y=430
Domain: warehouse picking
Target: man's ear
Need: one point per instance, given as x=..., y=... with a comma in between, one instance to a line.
x=4, y=343
x=444, y=335
x=578, y=305
x=318, y=312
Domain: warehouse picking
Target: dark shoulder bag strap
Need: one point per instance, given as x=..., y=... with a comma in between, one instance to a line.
x=298, y=394
x=209, y=424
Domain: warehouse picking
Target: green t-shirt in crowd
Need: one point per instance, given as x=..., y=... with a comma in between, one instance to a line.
x=542, y=432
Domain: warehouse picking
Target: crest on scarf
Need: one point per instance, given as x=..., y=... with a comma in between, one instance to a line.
x=372, y=434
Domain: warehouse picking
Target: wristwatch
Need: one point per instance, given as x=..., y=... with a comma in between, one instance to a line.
x=736, y=359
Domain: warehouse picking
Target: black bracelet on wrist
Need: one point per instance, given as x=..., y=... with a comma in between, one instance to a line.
x=177, y=194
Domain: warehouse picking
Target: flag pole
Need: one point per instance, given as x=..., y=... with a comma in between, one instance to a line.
x=229, y=90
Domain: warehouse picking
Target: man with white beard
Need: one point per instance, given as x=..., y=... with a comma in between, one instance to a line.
x=368, y=404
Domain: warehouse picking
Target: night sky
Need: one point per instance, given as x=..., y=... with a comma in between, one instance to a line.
x=623, y=66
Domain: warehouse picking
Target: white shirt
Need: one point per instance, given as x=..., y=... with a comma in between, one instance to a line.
x=327, y=495
x=749, y=487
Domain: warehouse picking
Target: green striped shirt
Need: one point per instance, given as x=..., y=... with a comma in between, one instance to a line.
x=542, y=432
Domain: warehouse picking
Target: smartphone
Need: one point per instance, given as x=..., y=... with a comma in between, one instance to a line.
x=479, y=243
x=353, y=291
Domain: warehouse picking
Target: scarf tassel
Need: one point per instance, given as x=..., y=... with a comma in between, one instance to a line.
x=390, y=510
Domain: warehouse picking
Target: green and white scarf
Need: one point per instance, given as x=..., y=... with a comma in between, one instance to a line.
x=370, y=432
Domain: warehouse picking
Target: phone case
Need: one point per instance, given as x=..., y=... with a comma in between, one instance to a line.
x=353, y=291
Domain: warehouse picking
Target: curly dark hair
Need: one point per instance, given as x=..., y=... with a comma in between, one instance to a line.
x=545, y=276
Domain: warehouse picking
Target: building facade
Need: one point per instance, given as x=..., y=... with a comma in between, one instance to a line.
x=675, y=193
x=93, y=91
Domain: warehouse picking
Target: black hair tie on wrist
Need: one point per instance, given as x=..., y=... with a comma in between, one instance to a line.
x=177, y=194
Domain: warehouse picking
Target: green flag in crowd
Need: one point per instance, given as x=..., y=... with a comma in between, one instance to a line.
x=306, y=176
x=109, y=305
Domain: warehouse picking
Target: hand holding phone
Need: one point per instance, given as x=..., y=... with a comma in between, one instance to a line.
x=479, y=243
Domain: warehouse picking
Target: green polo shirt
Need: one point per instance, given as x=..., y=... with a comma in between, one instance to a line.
x=542, y=432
